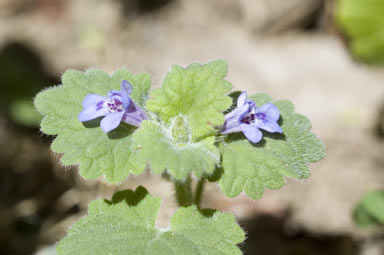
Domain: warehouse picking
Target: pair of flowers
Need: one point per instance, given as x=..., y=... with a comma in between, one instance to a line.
x=119, y=107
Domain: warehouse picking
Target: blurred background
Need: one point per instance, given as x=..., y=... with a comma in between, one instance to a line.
x=325, y=56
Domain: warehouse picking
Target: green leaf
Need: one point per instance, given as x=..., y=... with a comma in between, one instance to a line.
x=197, y=92
x=126, y=225
x=362, y=21
x=252, y=167
x=370, y=209
x=96, y=153
x=24, y=113
x=158, y=145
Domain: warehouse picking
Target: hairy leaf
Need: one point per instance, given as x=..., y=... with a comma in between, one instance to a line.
x=85, y=144
x=197, y=92
x=252, y=167
x=126, y=225
x=159, y=146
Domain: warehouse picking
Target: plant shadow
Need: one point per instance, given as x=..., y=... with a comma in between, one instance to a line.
x=132, y=198
x=122, y=131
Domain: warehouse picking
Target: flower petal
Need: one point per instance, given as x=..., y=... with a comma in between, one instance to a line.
x=237, y=113
x=132, y=120
x=126, y=86
x=134, y=115
x=91, y=112
x=230, y=126
x=269, y=125
x=270, y=110
x=92, y=99
x=232, y=120
x=111, y=121
x=242, y=99
x=252, y=133
x=126, y=90
x=251, y=103
x=112, y=93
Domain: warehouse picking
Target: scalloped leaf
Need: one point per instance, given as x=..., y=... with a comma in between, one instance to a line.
x=126, y=225
x=362, y=21
x=154, y=144
x=197, y=92
x=252, y=167
x=96, y=153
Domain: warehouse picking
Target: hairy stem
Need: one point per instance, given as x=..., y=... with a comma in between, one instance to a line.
x=184, y=192
x=199, y=191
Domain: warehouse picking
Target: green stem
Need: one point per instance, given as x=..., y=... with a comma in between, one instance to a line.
x=199, y=191
x=184, y=192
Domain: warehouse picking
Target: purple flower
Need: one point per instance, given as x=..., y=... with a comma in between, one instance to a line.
x=116, y=107
x=248, y=118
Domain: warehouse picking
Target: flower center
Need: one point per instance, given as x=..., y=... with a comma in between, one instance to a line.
x=114, y=105
x=250, y=118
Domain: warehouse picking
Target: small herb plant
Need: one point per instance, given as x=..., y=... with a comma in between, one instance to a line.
x=191, y=130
